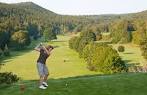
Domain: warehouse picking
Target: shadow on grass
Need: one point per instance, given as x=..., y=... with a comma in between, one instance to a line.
x=14, y=54
x=127, y=61
x=129, y=53
x=59, y=41
x=132, y=63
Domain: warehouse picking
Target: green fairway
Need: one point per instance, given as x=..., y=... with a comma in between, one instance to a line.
x=63, y=62
x=117, y=84
x=132, y=54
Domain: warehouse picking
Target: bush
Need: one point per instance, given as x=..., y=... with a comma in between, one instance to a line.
x=8, y=78
x=121, y=48
x=102, y=58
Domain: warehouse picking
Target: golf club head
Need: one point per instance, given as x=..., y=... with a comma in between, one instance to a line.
x=40, y=44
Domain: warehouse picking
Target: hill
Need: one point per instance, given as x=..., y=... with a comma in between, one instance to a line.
x=21, y=14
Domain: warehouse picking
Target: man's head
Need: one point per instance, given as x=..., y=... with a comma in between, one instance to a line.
x=49, y=47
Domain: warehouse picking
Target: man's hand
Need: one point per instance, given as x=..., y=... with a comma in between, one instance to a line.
x=38, y=47
x=41, y=44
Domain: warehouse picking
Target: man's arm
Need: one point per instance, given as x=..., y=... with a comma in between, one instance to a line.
x=44, y=48
x=38, y=47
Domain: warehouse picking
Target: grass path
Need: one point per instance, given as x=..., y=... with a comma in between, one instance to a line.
x=24, y=64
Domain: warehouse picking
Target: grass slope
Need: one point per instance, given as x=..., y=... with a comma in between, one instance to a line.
x=24, y=63
x=117, y=84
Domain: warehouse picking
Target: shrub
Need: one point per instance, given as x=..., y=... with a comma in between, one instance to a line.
x=121, y=48
x=102, y=58
x=8, y=78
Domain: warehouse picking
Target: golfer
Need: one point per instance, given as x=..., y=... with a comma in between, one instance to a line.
x=41, y=64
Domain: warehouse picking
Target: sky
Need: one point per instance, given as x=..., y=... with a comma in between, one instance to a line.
x=89, y=7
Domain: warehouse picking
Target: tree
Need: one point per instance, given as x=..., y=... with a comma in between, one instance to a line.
x=78, y=43
x=137, y=38
x=88, y=35
x=48, y=34
x=4, y=39
x=74, y=43
x=33, y=30
x=103, y=58
x=141, y=33
x=143, y=47
x=20, y=39
x=121, y=31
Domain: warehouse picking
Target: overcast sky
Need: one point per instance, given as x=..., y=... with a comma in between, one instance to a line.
x=89, y=7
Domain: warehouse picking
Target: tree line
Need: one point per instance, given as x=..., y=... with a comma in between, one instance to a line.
x=98, y=56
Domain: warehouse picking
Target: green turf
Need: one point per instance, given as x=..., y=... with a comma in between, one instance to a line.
x=132, y=54
x=117, y=84
x=24, y=63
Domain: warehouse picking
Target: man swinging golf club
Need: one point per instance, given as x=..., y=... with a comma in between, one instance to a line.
x=41, y=64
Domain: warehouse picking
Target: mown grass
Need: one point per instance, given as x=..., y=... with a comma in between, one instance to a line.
x=117, y=84
x=63, y=62
x=131, y=55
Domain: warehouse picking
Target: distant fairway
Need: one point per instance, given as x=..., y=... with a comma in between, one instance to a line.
x=132, y=54
x=63, y=62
